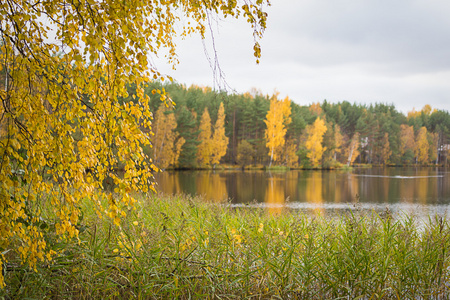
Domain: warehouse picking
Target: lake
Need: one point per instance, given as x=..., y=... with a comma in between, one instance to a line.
x=421, y=191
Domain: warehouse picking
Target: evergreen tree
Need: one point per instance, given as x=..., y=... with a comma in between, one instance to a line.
x=187, y=130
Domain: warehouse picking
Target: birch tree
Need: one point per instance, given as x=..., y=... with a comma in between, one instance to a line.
x=277, y=119
x=67, y=65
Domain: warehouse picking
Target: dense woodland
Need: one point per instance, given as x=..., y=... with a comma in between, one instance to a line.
x=204, y=128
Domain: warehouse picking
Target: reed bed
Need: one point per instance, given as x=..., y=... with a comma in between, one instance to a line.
x=184, y=248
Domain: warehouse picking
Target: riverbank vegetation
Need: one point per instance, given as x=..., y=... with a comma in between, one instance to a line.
x=264, y=130
x=177, y=247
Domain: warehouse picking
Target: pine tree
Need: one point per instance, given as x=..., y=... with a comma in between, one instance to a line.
x=187, y=129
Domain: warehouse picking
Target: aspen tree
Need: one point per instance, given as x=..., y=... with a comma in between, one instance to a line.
x=353, y=151
x=219, y=140
x=166, y=143
x=204, y=149
x=277, y=118
x=422, y=146
x=406, y=138
x=338, y=140
x=314, y=140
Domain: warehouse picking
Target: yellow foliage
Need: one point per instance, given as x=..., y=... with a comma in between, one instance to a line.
x=213, y=146
x=291, y=154
x=313, y=143
x=219, y=140
x=406, y=138
x=278, y=117
x=352, y=149
x=61, y=117
x=338, y=140
x=316, y=109
x=166, y=143
x=422, y=146
x=204, y=149
x=275, y=195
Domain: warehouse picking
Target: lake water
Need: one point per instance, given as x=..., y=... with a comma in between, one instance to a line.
x=421, y=191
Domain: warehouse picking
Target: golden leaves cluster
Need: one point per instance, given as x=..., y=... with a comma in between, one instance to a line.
x=277, y=119
x=212, y=145
x=65, y=131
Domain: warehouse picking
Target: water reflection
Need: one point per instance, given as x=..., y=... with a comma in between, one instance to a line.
x=275, y=195
x=212, y=186
x=313, y=191
x=316, y=190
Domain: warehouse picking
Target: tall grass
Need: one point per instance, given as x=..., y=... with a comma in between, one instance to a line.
x=177, y=247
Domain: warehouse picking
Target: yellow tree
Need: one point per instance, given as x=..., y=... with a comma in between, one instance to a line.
x=406, y=138
x=422, y=146
x=353, y=151
x=166, y=143
x=61, y=111
x=314, y=140
x=219, y=140
x=338, y=140
x=204, y=149
x=277, y=118
x=291, y=153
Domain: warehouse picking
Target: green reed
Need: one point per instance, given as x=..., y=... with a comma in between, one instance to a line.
x=179, y=247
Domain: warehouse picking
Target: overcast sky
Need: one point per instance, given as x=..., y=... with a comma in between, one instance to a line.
x=363, y=51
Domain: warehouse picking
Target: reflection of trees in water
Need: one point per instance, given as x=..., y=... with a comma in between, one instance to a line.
x=314, y=187
x=406, y=190
x=212, y=186
x=313, y=192
x=246, y=185
x=275, y=195
x=385, y=185
x=291, y=185
x=169, y=183
x=422, y=186
x=353, y=185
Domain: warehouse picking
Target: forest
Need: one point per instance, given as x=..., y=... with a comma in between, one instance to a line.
x=198, y=127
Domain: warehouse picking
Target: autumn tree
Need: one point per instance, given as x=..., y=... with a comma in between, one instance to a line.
x=338, y=141
x=291, y=156
x=61, y=115
x=166, y=143
x=407, y=142
x=314, y=140
x=204, y=150
x=277, y=119
x=353, y=149
x=422, y=146
x=219, y=140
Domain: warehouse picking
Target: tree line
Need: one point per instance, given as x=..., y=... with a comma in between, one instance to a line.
x=199, y=127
